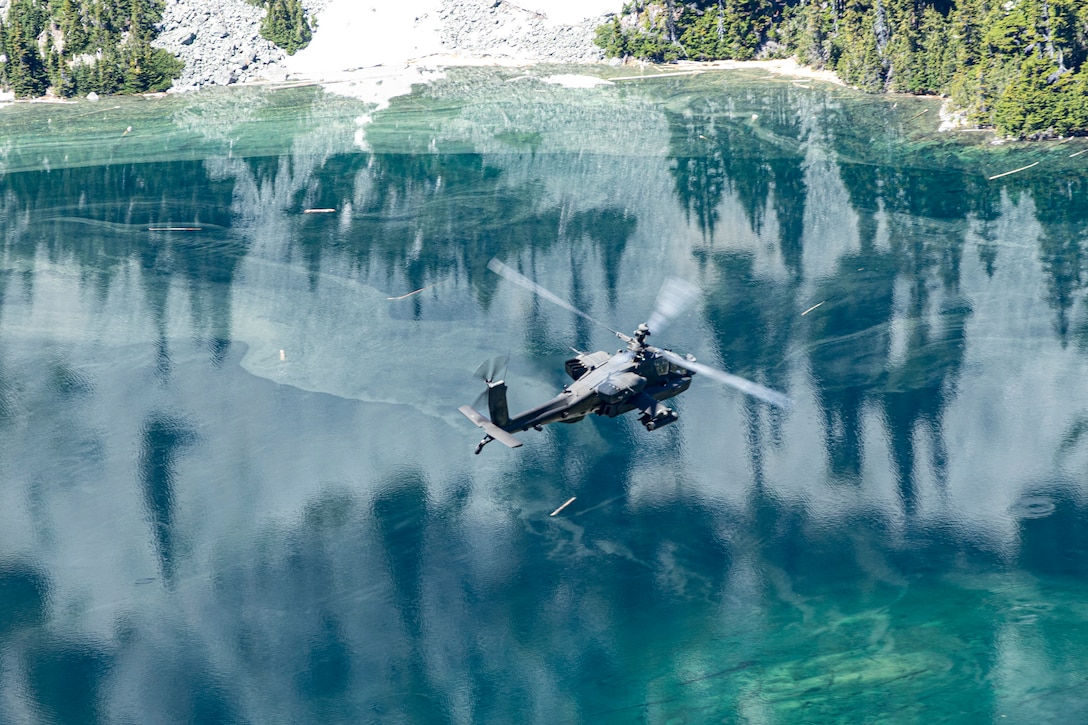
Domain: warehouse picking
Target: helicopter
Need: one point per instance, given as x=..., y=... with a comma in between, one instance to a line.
x=638, y=377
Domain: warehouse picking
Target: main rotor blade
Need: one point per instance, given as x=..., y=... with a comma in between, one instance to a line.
x=517, y=278
x=676, y=295
x=734, y=381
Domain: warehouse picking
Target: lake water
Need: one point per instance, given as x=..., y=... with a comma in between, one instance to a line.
x=234, y=485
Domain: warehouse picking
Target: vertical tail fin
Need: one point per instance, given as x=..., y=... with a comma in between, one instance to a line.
x=496, y=404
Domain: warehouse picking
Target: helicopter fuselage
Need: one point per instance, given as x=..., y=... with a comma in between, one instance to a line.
x=638, y=378
x=609, y=386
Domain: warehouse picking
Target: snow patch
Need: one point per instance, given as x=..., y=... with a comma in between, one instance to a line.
x=353, y=34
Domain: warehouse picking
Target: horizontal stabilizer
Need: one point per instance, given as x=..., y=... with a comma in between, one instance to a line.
x=490, y=428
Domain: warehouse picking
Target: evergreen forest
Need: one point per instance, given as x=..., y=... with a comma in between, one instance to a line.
x=75, y=47
x=1015, y=65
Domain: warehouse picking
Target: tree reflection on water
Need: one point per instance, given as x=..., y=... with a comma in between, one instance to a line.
x=199, y=523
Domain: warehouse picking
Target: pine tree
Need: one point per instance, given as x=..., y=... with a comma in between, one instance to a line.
x=1015, y=64
x=286, y=25
x=70, y=22
x=25, y=70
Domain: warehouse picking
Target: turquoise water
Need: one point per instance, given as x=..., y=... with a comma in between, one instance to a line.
x=234, y=485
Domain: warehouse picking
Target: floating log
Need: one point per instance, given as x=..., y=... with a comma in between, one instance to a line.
x=659, y=75
x=414, y=292
x=568, y=503
x=1014, y=171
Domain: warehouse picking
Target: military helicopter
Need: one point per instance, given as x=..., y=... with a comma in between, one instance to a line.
x=636, y=378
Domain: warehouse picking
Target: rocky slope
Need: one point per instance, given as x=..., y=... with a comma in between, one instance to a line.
x=219, y=40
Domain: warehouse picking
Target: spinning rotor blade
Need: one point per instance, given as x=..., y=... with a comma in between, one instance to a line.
x=519, y=279
x=734, y=381
x=489, y=371
x=492, y=369
x=676, y=295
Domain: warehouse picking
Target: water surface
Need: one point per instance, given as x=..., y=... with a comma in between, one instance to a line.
x=234, y=486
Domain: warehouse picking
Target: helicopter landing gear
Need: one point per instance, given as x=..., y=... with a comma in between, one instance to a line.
x=538, y=428
x=480, y=446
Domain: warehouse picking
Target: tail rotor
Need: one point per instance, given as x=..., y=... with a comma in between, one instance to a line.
x=493, y=369
x=493, y=397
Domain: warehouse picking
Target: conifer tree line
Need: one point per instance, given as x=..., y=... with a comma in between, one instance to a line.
x=75, y=47
x=1016, y=65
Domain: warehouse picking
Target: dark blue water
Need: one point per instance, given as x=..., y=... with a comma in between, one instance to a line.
x=234, y=486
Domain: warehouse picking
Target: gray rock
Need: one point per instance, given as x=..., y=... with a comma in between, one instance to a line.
x=220, y=42
x=223, y=77
x=485, y=27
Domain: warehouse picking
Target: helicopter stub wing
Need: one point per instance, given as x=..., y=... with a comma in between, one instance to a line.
x=648, y=404
x=490, y=428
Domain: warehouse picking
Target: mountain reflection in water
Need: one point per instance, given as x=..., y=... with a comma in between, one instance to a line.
x=235, y=486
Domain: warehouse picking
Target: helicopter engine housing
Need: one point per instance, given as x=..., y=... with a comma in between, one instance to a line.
x=578, y=366
x=619, y=387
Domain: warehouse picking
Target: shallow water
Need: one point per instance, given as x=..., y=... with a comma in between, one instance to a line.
x=234, y=485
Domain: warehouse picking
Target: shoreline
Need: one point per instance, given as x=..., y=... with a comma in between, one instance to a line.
x=443, y=61
x=380, y=83
x=777, y=66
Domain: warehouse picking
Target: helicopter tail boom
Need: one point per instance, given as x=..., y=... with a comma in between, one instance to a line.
x=490, y=428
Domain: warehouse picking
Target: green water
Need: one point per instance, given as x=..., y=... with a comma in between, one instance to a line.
x=234, y=485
